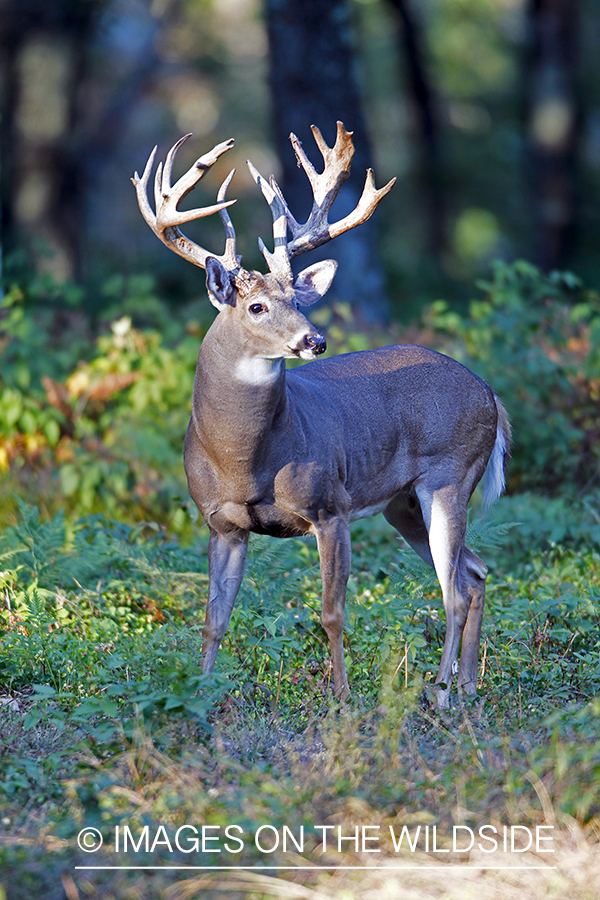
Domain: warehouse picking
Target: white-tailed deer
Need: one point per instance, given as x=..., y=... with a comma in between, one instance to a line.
x=402, y=430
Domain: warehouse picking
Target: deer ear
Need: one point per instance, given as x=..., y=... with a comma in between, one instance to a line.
x=314, y=282
x=218, y=283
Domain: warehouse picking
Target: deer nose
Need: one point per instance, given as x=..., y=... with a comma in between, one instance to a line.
x=316, y=343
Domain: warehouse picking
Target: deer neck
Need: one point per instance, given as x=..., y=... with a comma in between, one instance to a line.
x=238, y=400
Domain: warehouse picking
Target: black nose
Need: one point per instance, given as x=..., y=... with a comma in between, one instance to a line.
x=316, y=343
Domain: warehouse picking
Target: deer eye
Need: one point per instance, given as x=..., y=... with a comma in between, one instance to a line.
x=257, y=308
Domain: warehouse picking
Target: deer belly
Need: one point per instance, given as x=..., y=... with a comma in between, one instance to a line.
x=367, y=511
x=259, y=518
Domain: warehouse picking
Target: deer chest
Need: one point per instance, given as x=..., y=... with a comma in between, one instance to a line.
x=262, y=517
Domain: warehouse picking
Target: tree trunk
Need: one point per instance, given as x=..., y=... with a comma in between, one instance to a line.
x=8, y=98
x=430, y=164
x=41, y=182
x=313, y=82
x=553, y=127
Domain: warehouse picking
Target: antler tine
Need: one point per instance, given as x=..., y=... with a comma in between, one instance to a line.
x=365, y=207
x=166, y=175
x=337, y=160
x=292, y=222
x=230, y=258
x=326, y=187
x=167, y=214
x=320, y=140
x=158, y=192
x=278, y=261
x=141, y=189
x=304, y=162
x=164, y=223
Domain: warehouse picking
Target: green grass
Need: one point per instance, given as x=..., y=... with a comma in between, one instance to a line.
x=110, y=723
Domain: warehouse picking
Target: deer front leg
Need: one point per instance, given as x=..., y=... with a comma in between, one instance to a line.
x=333, y=542
x=226, y=563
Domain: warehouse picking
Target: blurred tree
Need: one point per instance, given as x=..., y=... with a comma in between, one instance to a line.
x=430, y=168
x=554, y=111
x=313, y=82
x=43, y=50
x=62, y=116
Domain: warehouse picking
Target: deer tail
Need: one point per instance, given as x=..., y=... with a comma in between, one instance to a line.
x=494, y=476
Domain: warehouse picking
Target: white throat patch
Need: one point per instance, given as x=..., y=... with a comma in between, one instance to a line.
x=257, y=371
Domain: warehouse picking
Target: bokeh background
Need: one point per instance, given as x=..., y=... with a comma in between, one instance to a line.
x=488, y=111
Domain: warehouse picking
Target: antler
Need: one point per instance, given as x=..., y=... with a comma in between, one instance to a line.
x=326, y=186
x=313, y=233
x=165, y=222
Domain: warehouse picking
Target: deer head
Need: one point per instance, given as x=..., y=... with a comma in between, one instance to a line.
x=267, y=305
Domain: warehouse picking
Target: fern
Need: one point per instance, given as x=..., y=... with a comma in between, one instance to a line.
x=412, y=575
x=37, y=543
x=51, y=557
x=272, y=577
x=483, y=533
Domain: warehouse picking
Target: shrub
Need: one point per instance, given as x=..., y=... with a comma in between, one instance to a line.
x=536, y=339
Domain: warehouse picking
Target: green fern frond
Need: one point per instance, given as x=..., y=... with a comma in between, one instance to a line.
x=482, y=533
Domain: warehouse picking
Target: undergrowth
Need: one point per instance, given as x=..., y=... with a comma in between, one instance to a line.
x=101, y=637
x=105, y=717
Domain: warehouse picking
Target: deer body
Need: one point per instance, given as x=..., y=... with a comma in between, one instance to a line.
x=260, y=458
x=401, y=430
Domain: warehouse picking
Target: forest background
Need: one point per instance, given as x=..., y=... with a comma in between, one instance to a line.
x=488, y=113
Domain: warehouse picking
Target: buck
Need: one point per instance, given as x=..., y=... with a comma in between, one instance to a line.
x=401, y=430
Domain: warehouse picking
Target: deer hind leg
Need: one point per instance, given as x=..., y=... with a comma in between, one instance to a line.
x=404, y=514
x=426, y=522
x=226, y=563
x=462, y=578
x=474, y=572
x=333, y=542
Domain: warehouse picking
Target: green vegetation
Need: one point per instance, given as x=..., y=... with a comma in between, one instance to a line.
x=105, y=718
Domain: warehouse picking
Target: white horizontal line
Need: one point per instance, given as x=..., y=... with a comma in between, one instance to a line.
x=440, y=868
